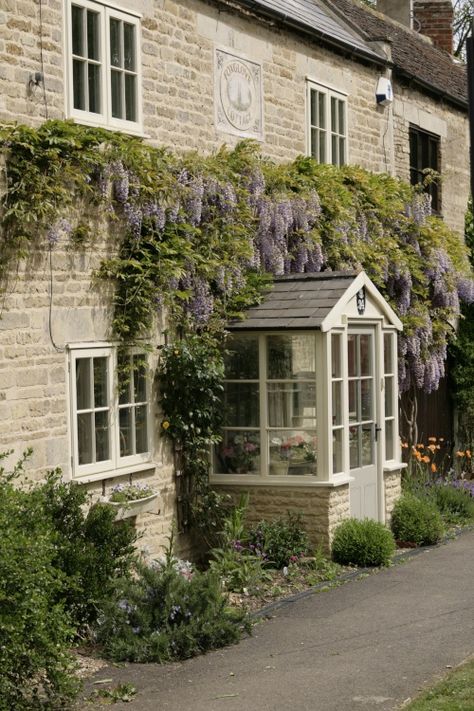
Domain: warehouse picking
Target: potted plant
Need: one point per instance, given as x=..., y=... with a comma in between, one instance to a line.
x=295, y=455
x=131, y=499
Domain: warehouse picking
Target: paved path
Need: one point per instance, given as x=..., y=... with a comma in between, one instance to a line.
x=369, y=644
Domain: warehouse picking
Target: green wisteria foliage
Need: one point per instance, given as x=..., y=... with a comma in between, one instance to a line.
x=203, y=235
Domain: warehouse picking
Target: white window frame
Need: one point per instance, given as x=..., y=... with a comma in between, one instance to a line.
x=329, y=94
x=105, y=118
x=116, y=464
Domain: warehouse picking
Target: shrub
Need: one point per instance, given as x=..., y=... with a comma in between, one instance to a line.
x=416, y=520
x=281, y=540
x=92, y=550
x=35, y=631
x=161, y=615
x=455, y=504
x=362, y=543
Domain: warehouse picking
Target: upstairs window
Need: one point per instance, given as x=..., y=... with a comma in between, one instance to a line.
x=327, y=125
x=424, y=156
x=104, y=66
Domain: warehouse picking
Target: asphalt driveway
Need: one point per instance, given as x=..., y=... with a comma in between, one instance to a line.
x=369, y=644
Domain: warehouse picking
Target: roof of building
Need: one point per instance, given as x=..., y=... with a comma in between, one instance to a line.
x=297, y=301
x=350, y=25
x=413, y=56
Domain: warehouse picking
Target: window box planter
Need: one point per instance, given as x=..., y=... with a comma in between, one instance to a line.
x=127, y=509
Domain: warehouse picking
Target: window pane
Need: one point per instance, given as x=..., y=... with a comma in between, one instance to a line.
x=130, y=98
x=100, y=382
x=314, y=108
x=365, y=355
x=337, y=403
x=389, y=440
x=314, y=143
x=322, y=147
x=334, y=142
x=389, y=396
x=84, y=437
x=336, y=342
x=94, y=88
x=293, y=452
x=333, y=114
x=354, y=446
x=78, y=81
x=291, y=404
x=126, y=424
x=241, y=404
x=354, y=414
x=367, y=445
x=78, y=31
x=116, y=79
x=387, y=353
x=337, y=451
x=101, y=436
x=141, y=434
x=342, y=151
x=241, y=358
x=238, y=453
x=352, y=355
x=342, y=121
x=291, y=357
x=366, y=399
x=322, y=110
x=92, y=35
x=129, y=46
x=115, y=49
x=83, y=383
x=139, y=379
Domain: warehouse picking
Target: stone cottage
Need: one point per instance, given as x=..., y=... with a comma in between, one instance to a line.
x=338, y=81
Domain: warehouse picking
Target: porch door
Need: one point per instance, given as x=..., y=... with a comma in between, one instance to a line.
x=363, y=430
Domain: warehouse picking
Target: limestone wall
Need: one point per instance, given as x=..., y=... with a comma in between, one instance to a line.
x=393, y=490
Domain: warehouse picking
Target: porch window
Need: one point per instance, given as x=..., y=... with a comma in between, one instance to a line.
x=390, y=390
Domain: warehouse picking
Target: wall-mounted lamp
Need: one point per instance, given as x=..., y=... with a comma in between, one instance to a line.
x=35, y=79
x=384, y=91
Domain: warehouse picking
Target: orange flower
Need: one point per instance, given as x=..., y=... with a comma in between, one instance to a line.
x=404, y=445
x=431, y=447
x=420, y=446
x=468, y=453
x=417, y=455
x=431, y=439
x=425, y=459
x=459, y=453
x=434, y=468
x=441, y=439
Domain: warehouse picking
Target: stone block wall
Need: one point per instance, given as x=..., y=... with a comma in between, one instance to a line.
x=393, y=490
x=321, y=508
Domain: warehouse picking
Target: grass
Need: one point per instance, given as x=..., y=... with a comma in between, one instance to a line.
x=454, y=693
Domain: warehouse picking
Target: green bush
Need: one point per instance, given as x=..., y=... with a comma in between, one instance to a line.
x=363, y=543
x=35, y=630
x=280, y=541
x=162, y=614
x=455, y=505
x=416, y=520
x=91, y=549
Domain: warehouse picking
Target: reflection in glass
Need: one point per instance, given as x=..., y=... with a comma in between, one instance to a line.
x=77, y=30
x=241, y=403
x=94, y=88
x=367, y=445
x=100, y=382
x=238, y=453
x=387, y=353
x=83, y=383
x=84, y=437
x=365, y=355
x=116, y=79
x=389, y=440
x=129, y=46
x=141, y=434
x=115, y=50
x=337, y=451
x=241, y=358
x=92, y=35
x=388, y=396
x=293, y=452
x=291, y=404
x=139, y=379
x=101, y=436
x=352, y=355
x=290, y=357
x=130, y=98
x=366, y=399
x=337, y=403
x=354, y=446
x=125, y=424
x=354, y=415
x=336, y=341
x=78, y=81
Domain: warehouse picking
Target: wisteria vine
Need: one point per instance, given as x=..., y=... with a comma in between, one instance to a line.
x=201, y=236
